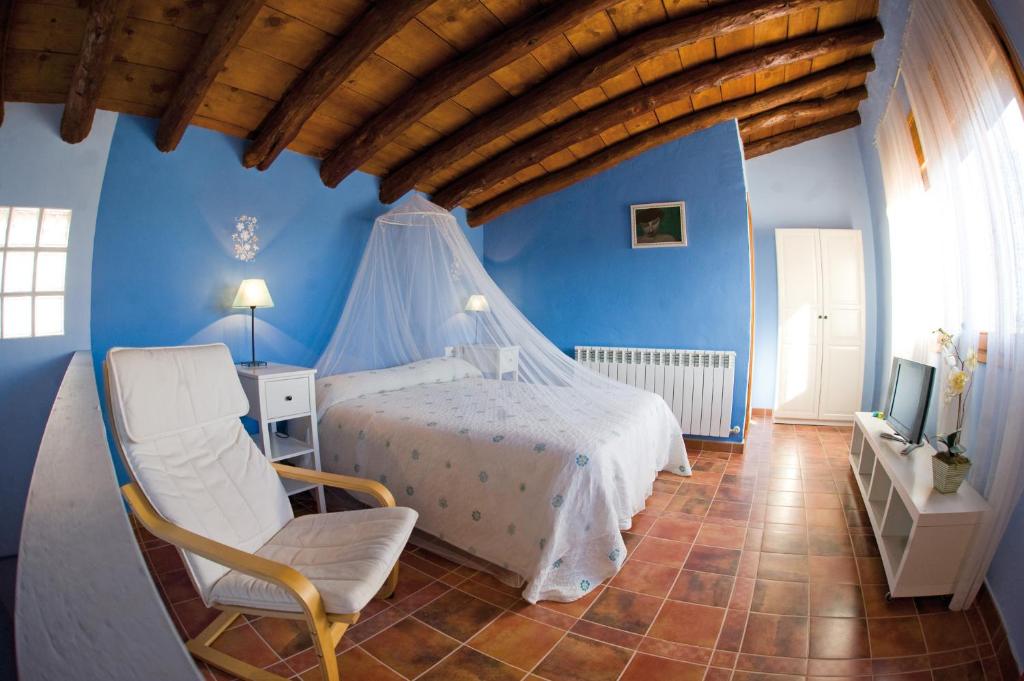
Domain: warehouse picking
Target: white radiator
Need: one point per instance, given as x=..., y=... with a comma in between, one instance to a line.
x=696, y=384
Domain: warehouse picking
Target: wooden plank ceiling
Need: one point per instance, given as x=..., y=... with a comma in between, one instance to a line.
x=487, y=104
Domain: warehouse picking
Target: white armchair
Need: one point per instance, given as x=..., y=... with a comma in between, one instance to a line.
x=200, y=483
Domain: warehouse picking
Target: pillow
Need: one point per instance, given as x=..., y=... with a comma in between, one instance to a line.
x=333, y=389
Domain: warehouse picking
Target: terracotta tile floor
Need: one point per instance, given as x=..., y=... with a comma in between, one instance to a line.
x=760, y=566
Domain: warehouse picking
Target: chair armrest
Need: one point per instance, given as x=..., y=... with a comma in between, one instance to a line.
x=371, y=487
x=284, y=576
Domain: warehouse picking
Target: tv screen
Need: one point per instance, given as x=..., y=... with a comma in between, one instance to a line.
x=909, y=390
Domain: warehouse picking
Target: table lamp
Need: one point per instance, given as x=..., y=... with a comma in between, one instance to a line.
x=477, y=303
x=253, y=293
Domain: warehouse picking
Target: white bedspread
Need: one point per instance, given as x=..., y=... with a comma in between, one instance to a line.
x=492, y=472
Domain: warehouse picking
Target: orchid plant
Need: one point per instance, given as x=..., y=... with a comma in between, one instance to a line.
x=958, y=385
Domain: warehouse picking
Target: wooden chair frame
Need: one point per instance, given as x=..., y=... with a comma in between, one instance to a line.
x=326, y=629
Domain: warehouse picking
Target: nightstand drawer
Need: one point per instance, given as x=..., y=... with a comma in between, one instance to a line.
x=286, y=397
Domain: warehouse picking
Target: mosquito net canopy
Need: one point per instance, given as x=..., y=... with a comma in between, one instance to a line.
x=504, y=455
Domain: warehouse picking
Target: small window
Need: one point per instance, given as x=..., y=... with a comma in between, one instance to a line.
x=33, y=264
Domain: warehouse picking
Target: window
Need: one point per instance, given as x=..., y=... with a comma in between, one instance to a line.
x=33, y=262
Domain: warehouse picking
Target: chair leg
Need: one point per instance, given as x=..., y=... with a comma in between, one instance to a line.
x=388, y=589
x=200, y=647
x=325, y=639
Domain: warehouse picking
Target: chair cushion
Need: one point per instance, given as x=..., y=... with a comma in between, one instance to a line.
x=347, y=556
x=164, y=391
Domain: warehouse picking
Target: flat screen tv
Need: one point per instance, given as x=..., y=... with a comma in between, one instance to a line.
x=910, y=387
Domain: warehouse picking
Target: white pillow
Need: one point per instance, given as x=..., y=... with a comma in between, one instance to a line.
x=333, y=389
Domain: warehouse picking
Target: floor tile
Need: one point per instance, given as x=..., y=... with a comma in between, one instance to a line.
x=828, y=542
x=285, y=637
x=896, y=636
x=467, y=664
x=783, y=567
x=776, y=635
x=457, y=614
x=833, y=638
x=410, y=647
x=580, y=659
x=661, y=551
x=677, y=529
x=713, y=559
x=836, y=600
x=648, y=668
x=245, y=644
x=517, y=640
x=780, y=598
x=877, y=606
x=624, y=610
x=688, y=623
x=775, y=541
x=703, y=587
x=646, y=578
x=724, y=536
x=357, y=664
x=945, y=631
x=834, y=569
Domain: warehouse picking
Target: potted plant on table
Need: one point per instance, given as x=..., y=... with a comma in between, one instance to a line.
x=950, y=467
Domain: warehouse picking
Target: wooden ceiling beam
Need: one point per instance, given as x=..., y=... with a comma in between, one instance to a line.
x=379, y=22
x=813, y=85
x=101, y=30
x=672, y=89
x=452, y=78
x=800, y=114
x=799, y=135
x=580, y=77
x=6, y=14
x=232, y=23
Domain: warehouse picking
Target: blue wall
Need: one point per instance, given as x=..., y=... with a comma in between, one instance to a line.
x=163, y=270
x=41, y=170
x=566, y=259
x=818, y=184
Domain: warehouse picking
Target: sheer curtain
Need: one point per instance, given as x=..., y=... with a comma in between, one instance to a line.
x=965, y=232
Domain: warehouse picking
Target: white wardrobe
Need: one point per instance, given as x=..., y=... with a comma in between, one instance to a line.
x=820, y=370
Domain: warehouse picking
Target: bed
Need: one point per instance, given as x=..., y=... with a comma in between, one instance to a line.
x=493, y=472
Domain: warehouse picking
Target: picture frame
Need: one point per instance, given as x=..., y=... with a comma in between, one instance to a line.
x=658, y=225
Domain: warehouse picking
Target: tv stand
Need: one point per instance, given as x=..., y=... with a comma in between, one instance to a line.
x=923, y=535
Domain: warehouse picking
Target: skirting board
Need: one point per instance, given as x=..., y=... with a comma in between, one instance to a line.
x=697, y=444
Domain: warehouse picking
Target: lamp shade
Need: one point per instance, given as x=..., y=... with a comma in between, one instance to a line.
x=477, y=303
x=253, y=293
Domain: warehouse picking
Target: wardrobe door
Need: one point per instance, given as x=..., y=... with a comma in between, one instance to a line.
x=800, y=340
x=842, y=356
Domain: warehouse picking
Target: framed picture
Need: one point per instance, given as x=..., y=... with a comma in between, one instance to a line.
x=658, y=225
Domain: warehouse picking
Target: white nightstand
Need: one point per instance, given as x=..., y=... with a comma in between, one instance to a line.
x=492, y=360
x=279, y=393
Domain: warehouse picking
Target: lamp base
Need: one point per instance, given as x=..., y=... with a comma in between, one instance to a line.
x=253, y=364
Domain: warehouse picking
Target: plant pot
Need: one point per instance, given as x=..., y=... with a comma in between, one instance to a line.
x=947, y=477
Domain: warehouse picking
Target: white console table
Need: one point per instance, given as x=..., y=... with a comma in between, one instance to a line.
x=923, y=535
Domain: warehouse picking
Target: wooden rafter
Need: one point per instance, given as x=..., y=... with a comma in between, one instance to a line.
x=580, y=77
x=6, y=12
x=101, y=30
x=451, y=79
x=800, y=114
x=804, y=134
x=645, y=99
x=814, y=85
x=232, y=23
x=378, y=23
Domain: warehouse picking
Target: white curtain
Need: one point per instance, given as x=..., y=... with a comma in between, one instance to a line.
x=963, y=234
